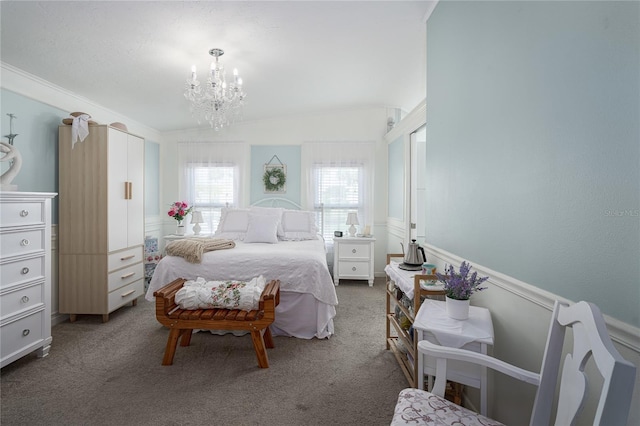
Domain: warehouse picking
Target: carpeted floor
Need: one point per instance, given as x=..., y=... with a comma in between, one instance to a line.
x=111, y=374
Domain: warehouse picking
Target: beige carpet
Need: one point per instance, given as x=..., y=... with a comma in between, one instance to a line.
x=110, y=374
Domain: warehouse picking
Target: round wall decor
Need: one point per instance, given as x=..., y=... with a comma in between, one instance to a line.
x=274, y=178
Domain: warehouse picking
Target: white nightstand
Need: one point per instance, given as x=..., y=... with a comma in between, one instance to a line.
x=353, y=259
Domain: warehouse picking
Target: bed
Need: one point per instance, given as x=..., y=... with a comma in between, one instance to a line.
x=277, y=243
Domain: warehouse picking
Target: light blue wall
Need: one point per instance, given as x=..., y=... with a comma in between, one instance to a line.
x=396, y=178
x=533, y=144
x=290, y=155
x=37, y=128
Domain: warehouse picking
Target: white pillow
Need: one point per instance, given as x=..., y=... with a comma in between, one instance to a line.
x=299, y=225
x=262, y=229
x=270, y=211
x=233, y=224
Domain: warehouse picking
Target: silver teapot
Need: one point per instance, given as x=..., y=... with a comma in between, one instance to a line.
x=414, y=256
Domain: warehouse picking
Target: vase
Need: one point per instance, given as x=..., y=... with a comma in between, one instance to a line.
x=180, y=230
x=457, y=309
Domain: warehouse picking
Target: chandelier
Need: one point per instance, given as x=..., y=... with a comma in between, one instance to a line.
x=219, y=103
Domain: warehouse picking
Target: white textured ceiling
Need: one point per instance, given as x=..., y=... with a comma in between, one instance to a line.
x=295, y=57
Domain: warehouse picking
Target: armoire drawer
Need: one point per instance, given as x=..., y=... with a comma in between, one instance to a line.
x=21, y=270
x=17, y=335
x=125, y=295
x=18, y=300
x=125, y=258
x=21, y=213
x=22, y=242
x=125, y=276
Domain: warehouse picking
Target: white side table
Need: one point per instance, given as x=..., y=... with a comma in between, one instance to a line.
x=353, y=259
x=433, y=324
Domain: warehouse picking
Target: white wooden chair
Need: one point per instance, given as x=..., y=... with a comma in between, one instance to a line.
x=590, y=339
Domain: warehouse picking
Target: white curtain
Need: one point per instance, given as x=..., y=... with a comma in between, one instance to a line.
x=212, y=175
x=356, y=158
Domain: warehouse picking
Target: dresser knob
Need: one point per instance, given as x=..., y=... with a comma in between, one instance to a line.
x=353, y=269
x=25, y=332
x=25, y=299
x=353, y=251
x=24, y=242
x=24, y=271
x=24, y=213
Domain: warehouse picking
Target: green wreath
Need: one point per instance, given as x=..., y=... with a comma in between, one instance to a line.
x=274, y=179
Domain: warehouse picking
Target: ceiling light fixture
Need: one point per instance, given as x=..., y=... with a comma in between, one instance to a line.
x=217, y=102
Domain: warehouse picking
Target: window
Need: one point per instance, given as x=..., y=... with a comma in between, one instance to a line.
x=339, y=190
x=212, y=186
x=338, y=176
x=211, y=176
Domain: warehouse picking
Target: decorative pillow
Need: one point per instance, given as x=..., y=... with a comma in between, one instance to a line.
x=231, y=294
x=233, y=224
x=299, y=225
x=270, y=211
x=262, y=229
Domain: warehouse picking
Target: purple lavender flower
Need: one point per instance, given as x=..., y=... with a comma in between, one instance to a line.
x=459, y=285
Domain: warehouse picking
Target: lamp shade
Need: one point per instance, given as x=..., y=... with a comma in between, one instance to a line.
x=352, y=219
x=196, y=217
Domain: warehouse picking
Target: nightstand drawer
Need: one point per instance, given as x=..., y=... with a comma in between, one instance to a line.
x=354, y=269
x=354, y=251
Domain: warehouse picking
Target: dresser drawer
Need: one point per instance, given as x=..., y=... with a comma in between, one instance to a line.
x=18, y=300
x=125, y=276
x=354, y=251
x=125, y=258
x=125, y=295
x=21, y=270
x=20, y=334
x=358, y=270
x=21, y=213
x=22, y=242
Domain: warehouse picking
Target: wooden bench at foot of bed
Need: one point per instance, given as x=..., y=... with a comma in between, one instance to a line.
x=182, y=322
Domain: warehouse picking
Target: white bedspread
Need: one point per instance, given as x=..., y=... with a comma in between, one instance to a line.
x=301, y=267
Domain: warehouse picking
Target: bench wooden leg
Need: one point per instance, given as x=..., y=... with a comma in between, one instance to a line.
x=258, y=346
x=186, y=337
x=170, y=350
x=268, y=339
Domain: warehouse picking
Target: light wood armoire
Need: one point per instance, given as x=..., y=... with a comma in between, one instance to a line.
x=100, y=220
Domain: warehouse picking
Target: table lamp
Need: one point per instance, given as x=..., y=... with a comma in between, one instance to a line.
x=196, y=220
x=352, y=219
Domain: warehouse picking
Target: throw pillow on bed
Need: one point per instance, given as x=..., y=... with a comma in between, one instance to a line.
x=299, y=225
x=230, y=294
x=270, y=211
x=233, y=224
x=262, y=229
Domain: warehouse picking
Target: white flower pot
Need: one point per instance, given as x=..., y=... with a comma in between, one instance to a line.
x=457, y=309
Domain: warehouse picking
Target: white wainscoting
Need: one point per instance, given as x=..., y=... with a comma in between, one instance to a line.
x=521, y=314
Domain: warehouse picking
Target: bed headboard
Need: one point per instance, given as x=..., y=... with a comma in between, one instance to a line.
x=277, y=202
x=288, y=204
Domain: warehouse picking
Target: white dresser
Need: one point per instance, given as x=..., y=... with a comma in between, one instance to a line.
x=25, y=274
x=353, y=259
